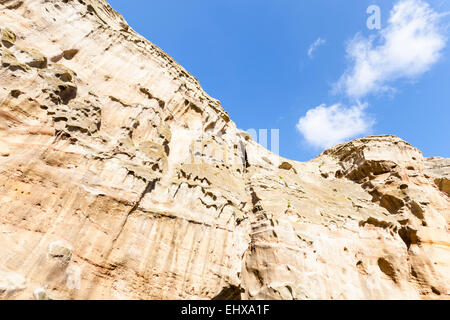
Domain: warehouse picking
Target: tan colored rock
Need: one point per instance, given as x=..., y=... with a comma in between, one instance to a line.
x=439, y=169
x=120, y=178
x=30, y=57
x=41, y=294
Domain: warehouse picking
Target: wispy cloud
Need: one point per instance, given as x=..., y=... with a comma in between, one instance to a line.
x=325, y=126
x=409, y=45
x=406, y=48
x=319, y=42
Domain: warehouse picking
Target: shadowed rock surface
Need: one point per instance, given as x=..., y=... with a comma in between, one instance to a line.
x=120, y=178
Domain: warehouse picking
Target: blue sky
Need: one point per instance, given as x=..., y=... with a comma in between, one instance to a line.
x=253, y=55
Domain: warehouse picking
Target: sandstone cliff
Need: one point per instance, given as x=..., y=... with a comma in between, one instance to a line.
x=120, y=178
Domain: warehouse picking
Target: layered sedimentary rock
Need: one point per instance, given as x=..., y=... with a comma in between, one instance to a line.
x=120, y=178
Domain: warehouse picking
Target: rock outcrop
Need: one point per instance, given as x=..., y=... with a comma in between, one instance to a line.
x=120, y=178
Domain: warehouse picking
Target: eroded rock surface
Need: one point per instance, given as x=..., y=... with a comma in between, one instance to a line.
x=120, y=178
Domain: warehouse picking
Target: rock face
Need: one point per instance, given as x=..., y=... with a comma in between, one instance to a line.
x=120, y=178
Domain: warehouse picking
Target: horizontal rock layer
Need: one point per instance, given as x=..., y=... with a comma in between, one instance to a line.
x=120, y=178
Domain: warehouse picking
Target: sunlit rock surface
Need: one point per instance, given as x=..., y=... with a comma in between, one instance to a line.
x=120, y=178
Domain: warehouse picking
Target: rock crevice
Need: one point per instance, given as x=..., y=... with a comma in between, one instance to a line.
x=120, y=178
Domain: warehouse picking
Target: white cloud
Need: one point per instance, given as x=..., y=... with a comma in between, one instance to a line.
x=409, y=45
x=315, y=45
x=327, y=126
